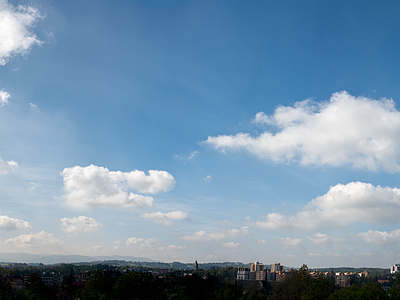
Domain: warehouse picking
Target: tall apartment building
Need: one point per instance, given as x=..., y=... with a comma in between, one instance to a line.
x=257, y=272
x=276, y=268
x=243, y=273
x=342, y=280
x=395, y=269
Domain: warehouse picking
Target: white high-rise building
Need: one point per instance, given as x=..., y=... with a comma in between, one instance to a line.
x=395, y=269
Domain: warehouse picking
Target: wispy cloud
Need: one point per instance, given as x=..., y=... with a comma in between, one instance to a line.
x=202, y=236
x=207, y=178
x=7, y=166
x=166, y=218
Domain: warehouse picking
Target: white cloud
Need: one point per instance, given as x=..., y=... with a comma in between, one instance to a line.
x=16, y=35
x=211, y=257
x=193, y=154
x=166, y=218
x=7, y=223
x=142, y=242
x=40, y=239
x=323, y=239
x=97, y=186
x=202, y=236
x=231, y=245
x=341, y=205
x=7, y=166
x=346, y=130
x=380, y=237
x=118, y=242
x=172, y=248
x=207, y=178
x=4, y=96
x=33, y=105
x=263, y=242
x=80, y=224
x=291, y=242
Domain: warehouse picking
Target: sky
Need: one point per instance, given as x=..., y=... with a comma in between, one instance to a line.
x=201, y=130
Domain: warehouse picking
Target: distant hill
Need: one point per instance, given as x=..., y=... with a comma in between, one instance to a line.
x=59, y=258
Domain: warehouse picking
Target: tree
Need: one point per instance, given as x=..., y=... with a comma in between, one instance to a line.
x=256, y=292
x=370, y=291
x=299, y=285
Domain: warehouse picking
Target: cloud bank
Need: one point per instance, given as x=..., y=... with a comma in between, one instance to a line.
x=97, y=186
x=16, y=35
x=380, y=237
x=80, y=224
x=41, y=239
x=346, y=130
x=341, y=205
x=7, y=223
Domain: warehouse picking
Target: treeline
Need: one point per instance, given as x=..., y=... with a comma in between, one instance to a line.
x=212, y=284
x=131, y=285
x=302, y=286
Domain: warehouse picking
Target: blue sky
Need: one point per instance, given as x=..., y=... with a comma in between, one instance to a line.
x=212, y=130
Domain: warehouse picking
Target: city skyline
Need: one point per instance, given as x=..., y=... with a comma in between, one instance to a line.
x=204, y=131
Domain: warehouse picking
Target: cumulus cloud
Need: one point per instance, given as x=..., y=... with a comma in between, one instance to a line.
x=166, y=218
x=80, y=224
x=202, y=236
x=291, y=242
x=346, y=130
x=341, y=205
x=323, y=239
x=97, y=186
x=4, y=96
x=231, y=245
x=142, y=242
x=7, y=223
x=16, y=35
x=40, y=239
x=380, y=237
x=7, y=166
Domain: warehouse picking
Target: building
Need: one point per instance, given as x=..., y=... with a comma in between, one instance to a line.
x=196, y=266
x=243, y=273
x=52, y=278
x=257, y=272
x=395, y=269
x=342, y=280
x=276, y=268
x=257, y=267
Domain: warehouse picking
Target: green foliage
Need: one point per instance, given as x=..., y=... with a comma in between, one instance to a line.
x=133, y=285
x=301, y=286
x=255, y=292
x=229, y=292
x=370, y=291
